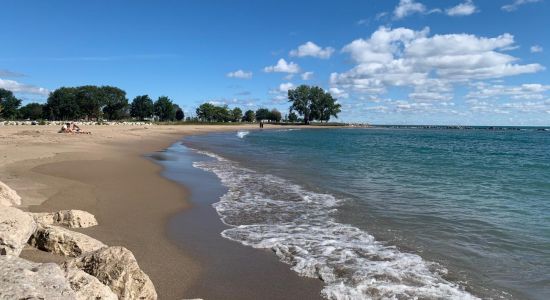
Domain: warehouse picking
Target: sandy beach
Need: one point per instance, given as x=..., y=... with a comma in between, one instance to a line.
x=107, y=174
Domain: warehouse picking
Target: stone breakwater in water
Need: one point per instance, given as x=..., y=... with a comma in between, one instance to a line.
x=91, y=269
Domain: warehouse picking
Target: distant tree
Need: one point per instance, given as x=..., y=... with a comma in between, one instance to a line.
x=222, y=114
x=206, y=112
x=262, y=114
x=313, y=103
x=292, y=117
x=90, y=100
x=301, y=100
x=249, y=116
x=179, y=114
x=62, y=104
x=164, y=109
x=32, y=111
x=275, y=115
x=115, y=101
x=236, y=114
x=8, y=104
x=142, y=107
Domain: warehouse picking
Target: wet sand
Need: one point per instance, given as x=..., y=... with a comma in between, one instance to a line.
x=107, y=174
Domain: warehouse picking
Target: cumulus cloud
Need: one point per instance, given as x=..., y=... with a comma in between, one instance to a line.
x=516, y=4
x=463, y=9
x=407, y=8
x=311, y=49
x=532, y=91
x=22, y=88
x=283, y=66
x=240, y=74
x=536, y=49
x=338, y=93
x=404, y=57
x=307, y=75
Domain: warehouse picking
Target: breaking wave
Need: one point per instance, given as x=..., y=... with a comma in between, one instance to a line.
x=266, y=211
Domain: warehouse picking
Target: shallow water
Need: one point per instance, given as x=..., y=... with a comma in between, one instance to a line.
x=433, y=214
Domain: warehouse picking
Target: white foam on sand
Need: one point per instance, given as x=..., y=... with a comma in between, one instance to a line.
x=266, y=211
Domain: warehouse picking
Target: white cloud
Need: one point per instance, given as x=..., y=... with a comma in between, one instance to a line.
x=311, y=49
x=404, y=57
x=338, y=93
x=536, y=49
x=240, y=74
x=516, y=4
x=18, y=87
x=283, y=66
x=463, y=9
x=307, y=75
x=532, y=91
x=408, y=7
x=284, y=87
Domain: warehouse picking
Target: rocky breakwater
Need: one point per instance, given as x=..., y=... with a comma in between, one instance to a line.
x=92, y=270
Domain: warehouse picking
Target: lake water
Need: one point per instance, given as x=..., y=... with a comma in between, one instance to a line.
x=392, y=213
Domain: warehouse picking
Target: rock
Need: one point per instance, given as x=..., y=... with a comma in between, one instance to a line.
x=70, y=218
x=8, y=197
x=62, y=241
x=117, y=268
x=75, y=218
x=16, y=227
x=87, y=286
x=22, y=279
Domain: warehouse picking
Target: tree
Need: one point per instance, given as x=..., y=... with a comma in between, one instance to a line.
x=236, y=114
x=206, y=112
x=275, y=115
x=164, y=109
x=249, y=116
x=8, y=104
x=313, y=103
x=292, y=117
x=115, y=101
x=262, y=114
x=324, y=106
x=32, y=111
x=301, y=101
x=62, y=105
x=179, y=114
x=142, y=107
x=222, y=114
x=90, y=101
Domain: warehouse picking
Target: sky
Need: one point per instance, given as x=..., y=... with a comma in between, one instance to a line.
x=456, y=62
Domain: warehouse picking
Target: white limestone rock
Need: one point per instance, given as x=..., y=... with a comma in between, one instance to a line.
x=75, y=218
x=62, y=241
x=16, y=227
x=117, y=268
x=8, y=197
x=22, y=279
x=87, y=286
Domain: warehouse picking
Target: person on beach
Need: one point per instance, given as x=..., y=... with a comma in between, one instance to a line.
x=72, y=128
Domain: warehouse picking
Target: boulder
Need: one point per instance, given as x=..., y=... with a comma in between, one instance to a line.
x=117, y=268
x=70, y=218
x=8, y=197
x=87, y=286
x=16, y=227
x=22, y=279
x=75, y=218
x=62, y=241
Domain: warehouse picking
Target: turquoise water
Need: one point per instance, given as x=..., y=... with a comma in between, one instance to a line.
x=433, y=214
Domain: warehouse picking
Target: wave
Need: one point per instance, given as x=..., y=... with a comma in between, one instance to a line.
x=266, y=211
x=242, y=134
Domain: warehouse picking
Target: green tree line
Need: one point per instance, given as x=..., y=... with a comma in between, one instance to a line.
x=90, y=103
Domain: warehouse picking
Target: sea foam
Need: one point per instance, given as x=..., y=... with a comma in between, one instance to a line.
x=266, y=211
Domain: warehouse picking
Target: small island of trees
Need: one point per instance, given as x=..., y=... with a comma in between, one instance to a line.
x=307, y=103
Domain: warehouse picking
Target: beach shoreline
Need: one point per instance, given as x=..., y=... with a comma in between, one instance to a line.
x=108, y=174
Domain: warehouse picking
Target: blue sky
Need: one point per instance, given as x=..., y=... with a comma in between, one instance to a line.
x=387, y=61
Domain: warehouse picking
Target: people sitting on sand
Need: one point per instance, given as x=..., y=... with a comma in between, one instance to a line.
x=72, y=128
